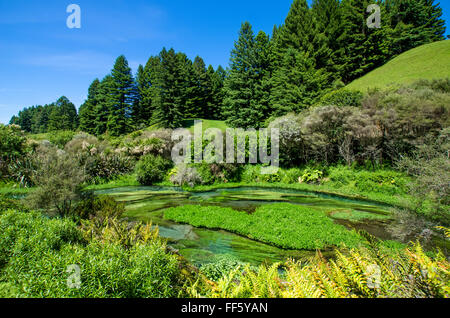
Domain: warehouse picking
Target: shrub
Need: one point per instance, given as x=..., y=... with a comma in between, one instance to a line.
x=222, y=265
x=100, y=167
x=183, y=175
x=61, y=137
x=99, y=207
x=290, y=175
x=12, y=147
x=291, y=140
x=23, y=169
x=342, y=97
x=311, y=176
x=430, y=167
x=151, y=169
x=59, y=181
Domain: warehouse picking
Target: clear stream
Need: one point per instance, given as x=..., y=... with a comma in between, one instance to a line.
x=200, y=245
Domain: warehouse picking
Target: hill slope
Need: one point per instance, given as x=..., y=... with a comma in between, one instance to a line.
x=429, y=61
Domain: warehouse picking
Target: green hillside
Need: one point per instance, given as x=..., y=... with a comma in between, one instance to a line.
x=428, y=61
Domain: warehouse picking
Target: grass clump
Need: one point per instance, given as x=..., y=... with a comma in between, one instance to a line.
x=285, y=225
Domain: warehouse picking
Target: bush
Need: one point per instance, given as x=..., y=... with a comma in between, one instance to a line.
x=342, y=97
x=59, y=181
x=100, y=167
x=183, y=175
x=61, y=137
x=100, y=207
x=151, y=169
x=408, y=273
x=220, y=267
x=311, y=176
x=12, y=147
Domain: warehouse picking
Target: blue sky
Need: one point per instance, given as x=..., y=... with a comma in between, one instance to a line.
x=41, y=59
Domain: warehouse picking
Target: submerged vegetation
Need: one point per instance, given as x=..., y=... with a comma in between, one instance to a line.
x=282, y=224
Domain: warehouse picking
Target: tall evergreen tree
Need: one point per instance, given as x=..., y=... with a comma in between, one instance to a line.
x=123, y=97
x=216, y=80
x=103, y=108
x=352, y=39
x=63, y=115
x=296, y=83
x=87, y=112
x=200, y=90
x=242, y=103
x=170, y=91
x=145, y=79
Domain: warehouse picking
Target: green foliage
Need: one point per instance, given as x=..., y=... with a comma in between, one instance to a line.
x=430, y=167
x=171, y=88
x=342, y=97
x=59, y=180
x=222, y=265
x=311, y=176
x=12, y=148
x=370, y=272
x=384, y=181
x=36, y=252
x=152, y=169
x=99, y=207
x=121, y=98
x=284, y=225
x=246, y=88
x=63, y=116
x=61, y=137
x=87, y=112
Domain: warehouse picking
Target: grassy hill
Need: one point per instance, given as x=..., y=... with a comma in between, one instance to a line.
x=429, y=61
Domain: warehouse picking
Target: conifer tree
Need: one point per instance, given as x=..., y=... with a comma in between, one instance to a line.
x=63, y=115
x=123, y=97
x=87, y=112
x=103, y=107
x=296, y=83
x=242, y=106
x=200, y=90
x=216, y=79
x=170, y=91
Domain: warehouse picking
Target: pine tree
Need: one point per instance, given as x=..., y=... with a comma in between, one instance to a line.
x=214, y=103
x=170, y=92
x=87, y=112
x=143, y=108
x=327, y=22
x=242, y=103
x=123, y=97
x=296, y=83
x=261, y=99
x=200, y=90
x=414, y=22
x=63, y=115
x=103, y=108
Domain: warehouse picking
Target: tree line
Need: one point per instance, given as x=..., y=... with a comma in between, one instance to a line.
x=318, y=49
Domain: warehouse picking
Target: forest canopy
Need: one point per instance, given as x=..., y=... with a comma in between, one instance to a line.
x=318, y=49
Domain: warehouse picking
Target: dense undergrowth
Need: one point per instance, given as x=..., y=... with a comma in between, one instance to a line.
x=36, y=253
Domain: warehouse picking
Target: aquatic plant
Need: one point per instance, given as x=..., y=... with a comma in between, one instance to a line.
x=284, y=225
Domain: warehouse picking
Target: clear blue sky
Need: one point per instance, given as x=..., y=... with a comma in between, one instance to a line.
x=41, y=59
